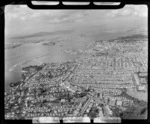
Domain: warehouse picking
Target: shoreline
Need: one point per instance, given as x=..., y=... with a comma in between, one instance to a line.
x=25, y=62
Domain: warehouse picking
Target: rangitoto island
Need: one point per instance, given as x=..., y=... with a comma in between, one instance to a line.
x=97, y=84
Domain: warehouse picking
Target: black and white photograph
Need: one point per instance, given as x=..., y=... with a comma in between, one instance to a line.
x=76, y=63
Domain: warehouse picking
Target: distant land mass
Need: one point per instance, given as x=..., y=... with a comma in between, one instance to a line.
x=127, y=39
x=130, y=38
x=134, y=36
x=43, y=34
x=10, y=46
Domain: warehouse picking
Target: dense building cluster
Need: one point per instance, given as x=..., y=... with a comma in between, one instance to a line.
x=95, y=85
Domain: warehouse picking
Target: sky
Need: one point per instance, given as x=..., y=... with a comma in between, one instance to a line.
x=20, y=19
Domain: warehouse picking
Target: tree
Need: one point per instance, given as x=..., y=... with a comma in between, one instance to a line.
x=93, y=112
x=134, y=112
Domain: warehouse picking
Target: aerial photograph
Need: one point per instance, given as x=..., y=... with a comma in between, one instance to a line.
x=76, y=63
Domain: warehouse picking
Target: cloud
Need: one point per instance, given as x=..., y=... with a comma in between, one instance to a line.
x=64, y=16
x=131, y=10
x=22, y=12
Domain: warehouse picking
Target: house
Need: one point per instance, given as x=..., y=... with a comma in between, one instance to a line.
x=143, y=69
x=143, y=80
x=143, y=74
x=125, y=103
x=119, y=103
x=112, y=102
x=142, y=87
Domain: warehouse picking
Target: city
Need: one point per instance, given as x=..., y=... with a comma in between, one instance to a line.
x=106, y=81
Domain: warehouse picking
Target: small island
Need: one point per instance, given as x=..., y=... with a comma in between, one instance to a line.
x=49, y=44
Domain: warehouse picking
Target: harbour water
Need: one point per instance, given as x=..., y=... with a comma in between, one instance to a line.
x=31, y=54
